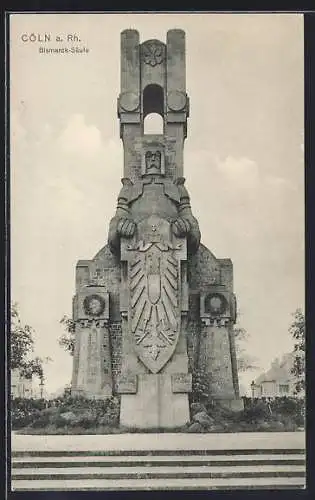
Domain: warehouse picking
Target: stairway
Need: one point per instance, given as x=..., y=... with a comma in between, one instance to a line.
x=159, y=469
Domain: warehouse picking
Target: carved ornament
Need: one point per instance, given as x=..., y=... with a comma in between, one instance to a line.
x=181, y=382
x=127, y=384
x=154, y=289
x=215, y=304
x=176, y=100
x=90, y=323
x=94, y=305
x=129, y=101
x=218, y=322
x=153, y=52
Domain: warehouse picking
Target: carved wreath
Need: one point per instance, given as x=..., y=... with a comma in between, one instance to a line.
x=94, y=305
x=152, y=53
x=215, y=304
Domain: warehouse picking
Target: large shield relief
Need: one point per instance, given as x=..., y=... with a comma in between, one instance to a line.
x=154, y=283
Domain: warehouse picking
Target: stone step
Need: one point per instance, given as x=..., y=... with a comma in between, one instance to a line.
x=157, y=458
x=197, y=460
x=137, y=462
x=200, y=471
x=160, y=471
x=157, y=452
x=140, y=443
x=160, y=484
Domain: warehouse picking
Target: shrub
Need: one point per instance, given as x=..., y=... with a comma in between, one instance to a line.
x=65, y=412
x=40, y=422
x=23, y=411
x=257, y=412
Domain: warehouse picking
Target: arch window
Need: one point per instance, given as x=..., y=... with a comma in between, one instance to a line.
x=153, y=109
x=153, y=124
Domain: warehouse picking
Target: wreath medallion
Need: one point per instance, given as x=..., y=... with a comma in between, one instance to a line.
x=94, y=305
x=215, y=304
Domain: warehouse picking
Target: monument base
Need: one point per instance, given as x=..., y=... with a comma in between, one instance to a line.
x=154, y=405
x=233, y=404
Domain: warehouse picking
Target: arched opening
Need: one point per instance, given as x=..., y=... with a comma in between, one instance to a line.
x=153, y=124
x=153, y=100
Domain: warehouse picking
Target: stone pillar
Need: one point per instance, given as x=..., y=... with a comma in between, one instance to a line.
x=177, y=99
x=92, y=375
x=217, y=350
x=128, y=106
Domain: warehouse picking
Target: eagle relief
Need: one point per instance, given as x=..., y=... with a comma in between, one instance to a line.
x=154, y=307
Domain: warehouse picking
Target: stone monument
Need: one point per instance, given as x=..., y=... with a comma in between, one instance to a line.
x=154, y=304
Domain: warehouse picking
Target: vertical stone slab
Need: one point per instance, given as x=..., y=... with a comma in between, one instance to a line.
x=140, y=408
x=154, y=400
x=173, y=399
x=177, y=101
x=130, y=62
x=92, y=375
x=129, y=98
x=176, y=60
x=234, y=362
x=217, y=350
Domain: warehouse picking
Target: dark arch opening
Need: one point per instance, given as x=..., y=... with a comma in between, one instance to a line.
x=153, y=100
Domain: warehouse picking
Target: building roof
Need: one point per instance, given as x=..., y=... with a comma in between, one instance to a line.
x=279, y=371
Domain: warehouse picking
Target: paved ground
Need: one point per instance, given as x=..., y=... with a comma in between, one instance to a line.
x=237, y=441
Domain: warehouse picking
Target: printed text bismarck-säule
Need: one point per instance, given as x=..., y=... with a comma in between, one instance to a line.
x=64, y=50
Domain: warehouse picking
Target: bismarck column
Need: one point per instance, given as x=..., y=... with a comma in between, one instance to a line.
x=153, y=232
x=154, y=304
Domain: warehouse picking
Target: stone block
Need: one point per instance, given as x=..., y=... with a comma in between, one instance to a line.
x=127, y=384
x=181, y=382
x=154, y=405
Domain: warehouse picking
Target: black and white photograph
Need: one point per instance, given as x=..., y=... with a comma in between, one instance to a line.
x=157, y=241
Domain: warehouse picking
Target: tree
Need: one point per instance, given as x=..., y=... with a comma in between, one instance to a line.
x=245, y=362
x=66, y=341
x=22, y=345
x=297, y=330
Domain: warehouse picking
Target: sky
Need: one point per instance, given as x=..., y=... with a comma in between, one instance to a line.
x=243, y=162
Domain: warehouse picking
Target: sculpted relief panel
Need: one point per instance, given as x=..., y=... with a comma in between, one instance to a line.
x=154, y=284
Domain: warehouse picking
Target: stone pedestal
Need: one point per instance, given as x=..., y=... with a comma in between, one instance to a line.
x=155, y=404
x=92, y=373
x=217, y=350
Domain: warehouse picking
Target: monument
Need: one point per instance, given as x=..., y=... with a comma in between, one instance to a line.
x=154, y=304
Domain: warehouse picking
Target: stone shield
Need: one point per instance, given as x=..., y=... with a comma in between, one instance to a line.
x=154, y=297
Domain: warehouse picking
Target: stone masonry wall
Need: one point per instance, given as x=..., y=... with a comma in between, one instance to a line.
x=116, y=345
x=193, y=330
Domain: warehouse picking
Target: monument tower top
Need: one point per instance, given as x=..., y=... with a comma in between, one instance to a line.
x=153, y=80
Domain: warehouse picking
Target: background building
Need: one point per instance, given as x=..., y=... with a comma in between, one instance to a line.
x=277, y=381
x=22, y=387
